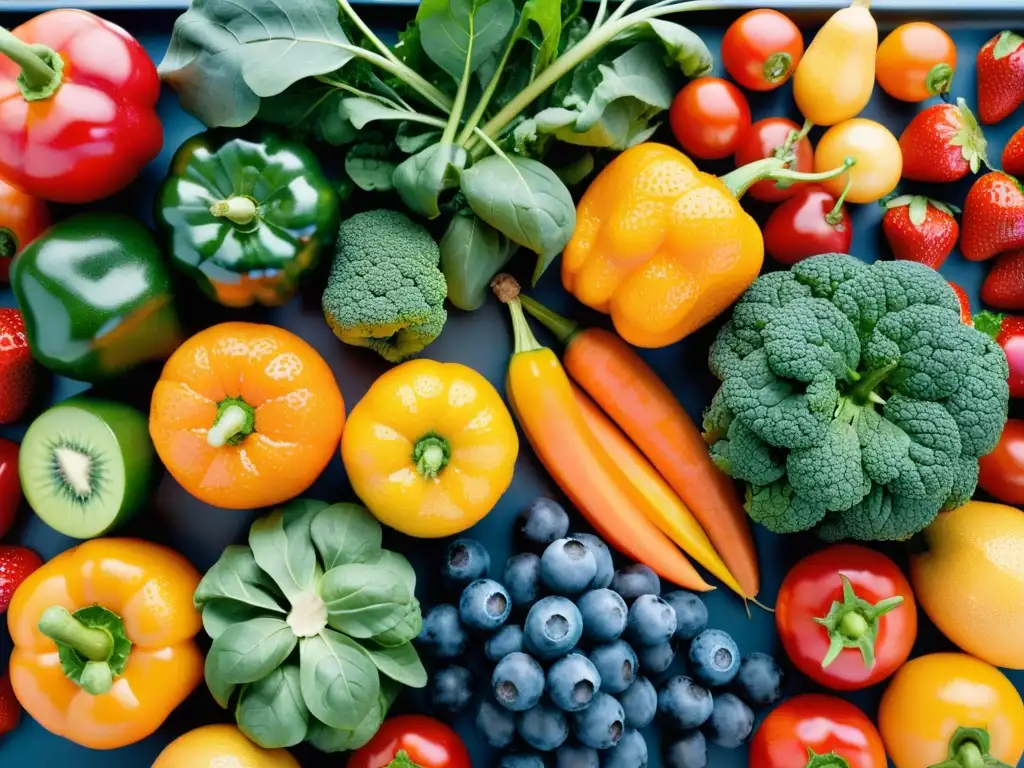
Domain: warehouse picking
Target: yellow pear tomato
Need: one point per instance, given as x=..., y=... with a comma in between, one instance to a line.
x=878, y=155
x=221, y=746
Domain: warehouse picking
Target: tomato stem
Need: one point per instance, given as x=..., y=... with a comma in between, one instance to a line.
x=829, y=760
x=774, y=168
x=777, y=67
x=402, y=760
x=835, y=216
x=853, y=622
x=41, y=67
x=939, y=79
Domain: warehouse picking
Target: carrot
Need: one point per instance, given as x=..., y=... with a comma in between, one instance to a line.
x=542, y=399
x=626, y=388
x=669, y=513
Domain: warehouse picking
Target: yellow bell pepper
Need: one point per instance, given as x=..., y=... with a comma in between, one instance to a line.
x=430, y=449
x=103, y=641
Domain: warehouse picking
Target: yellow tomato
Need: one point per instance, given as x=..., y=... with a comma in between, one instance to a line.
x=221, y=746
x=951, y=705
x=970, y=582
x=430, y=449
x=878, y=155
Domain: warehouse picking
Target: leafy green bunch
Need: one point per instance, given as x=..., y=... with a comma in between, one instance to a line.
x=853, y=398
x=312, y=625
x=458, y=115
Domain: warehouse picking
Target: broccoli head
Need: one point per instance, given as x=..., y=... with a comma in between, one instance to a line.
x=853, y=399
x=385, y=290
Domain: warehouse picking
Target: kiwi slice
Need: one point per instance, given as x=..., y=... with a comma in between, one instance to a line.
x=85, y=466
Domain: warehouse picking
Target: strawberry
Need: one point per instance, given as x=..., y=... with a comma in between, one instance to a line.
x=965, y=303
x=1004, y=286
x=942, y=144
x=1000, y=77
x=993, y=219
x=17, y=370
x=10, y=710
x=1013, y=155
x=16, y=565
x=919, y=229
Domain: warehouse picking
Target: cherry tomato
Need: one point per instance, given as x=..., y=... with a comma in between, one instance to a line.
x=878, y=155
x=761, y=141
x=915, y=62
x=801, y=227
x=709, y=118
x=1008, y=331
x=813, y=724
x=761, y=49
x=869, y=612
x=1002, y=471
x=22, y=219
x=10, y=485
x=425, y=742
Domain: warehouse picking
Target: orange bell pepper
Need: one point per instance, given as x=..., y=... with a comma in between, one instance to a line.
x=665, y=248
x=246, y=415
x=103, y=641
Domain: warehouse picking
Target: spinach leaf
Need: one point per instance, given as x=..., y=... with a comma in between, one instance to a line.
x=547, y=15
x=271, y=711
x=246, y=652
x=524, y=200
x=282, y=546
x=219, y=615
x=683, y=47
x=369, y=167
x=225, y=56
x=340, y=684
x=472, y=253
x=328, y=739
x=623, y=124
x=402, y=664
x=346, y=533
x=459, y=35
x=421, y=179
x=220, y=689
x=405, y=631
x=364, y=600
x=638, y=74
x=363, y=111
x=412, y=137
x=398, y=565
x=235, y=576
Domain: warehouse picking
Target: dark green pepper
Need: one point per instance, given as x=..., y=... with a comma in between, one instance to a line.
x=247, y=218
x=96, y=295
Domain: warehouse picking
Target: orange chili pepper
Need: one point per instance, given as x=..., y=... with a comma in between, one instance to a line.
x=103, y=641
x=246, y=415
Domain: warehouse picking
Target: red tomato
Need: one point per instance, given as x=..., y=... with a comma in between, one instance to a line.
x=761, y=49
x=869, y=612
x=1008, y=331
x=709, y=118
x=22, y=219
x=800, y=227
x=818, y=725
x=428, y=743
x=761, y=141
x=10, y=485
x=1002, y=471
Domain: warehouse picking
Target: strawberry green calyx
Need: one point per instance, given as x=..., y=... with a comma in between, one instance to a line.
x=918, y=205
x=1007, y=44
x=853, y=623
x=970, y=138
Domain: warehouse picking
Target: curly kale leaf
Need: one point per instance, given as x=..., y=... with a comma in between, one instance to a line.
x=811, y=338
x=881, y=516
x=746, y=457
x=779, y=509
x=824, y=274
x=980, y=405
x=927, y=469
x=829, y=474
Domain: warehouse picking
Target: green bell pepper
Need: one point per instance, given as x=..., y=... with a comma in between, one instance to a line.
x=96, y=296
x=247, y=218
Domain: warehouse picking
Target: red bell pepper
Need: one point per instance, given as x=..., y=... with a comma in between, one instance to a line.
x=78, y=100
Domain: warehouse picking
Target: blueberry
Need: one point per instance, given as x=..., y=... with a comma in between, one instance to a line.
x=573, y=681
x=522, y=760
x=683, y=704
x=655, y=659
x=604, y=615
x=601, y=724
x=553, y=627
x=567, y=567
x=442, y=634
x=630, y=752
x=760, y=680
x=451, y=688
x=731, y=723
x=635, y=580
x=497, y=724
x=651, y=621
x=542, y=522
x=603, y=556
x=640, y=703
x=691, y=613
x=518, y=682
x=484, y=605
x=688, y=751
x=576, y=756
x=506, y=640
x=714, y=658
x=466, y=560
x=543, y=727
x=522, y=579
x=617, y=664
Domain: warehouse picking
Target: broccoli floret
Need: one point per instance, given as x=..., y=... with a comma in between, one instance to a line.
x=829, y=475
x=385, y=290
x=746, y=457
x=881, y=516
x=717, y=419
x=780, y=510
x=824, y=274
x=810, y=338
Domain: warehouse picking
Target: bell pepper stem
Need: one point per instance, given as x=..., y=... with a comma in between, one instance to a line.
x=506, y=288
x=41, y=67
x=97, y=678
x=969, y=748
x=90, y=643
x=233, y=423
x=431, y=455
x=238, y=209
x=563, y=328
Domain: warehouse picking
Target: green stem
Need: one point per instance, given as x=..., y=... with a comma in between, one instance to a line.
x=90, y=643
x=40, y=75
x=774, y=168
x=563, y=328
x=777, y=67
x=411, y=78
x=853, y=623
x=835, y=216
x=506, y=288
x=402, y=760
x=460, y=95
x=238, y=209
x=602, y=9
x=829, y=760
x=864, y=391
x=939, y=79
x=485, y=98
x=431, y=455
x=969, y=748
x=234, y=422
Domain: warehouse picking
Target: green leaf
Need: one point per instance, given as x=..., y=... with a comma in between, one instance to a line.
x=224, y=57
x=402, y=664
x=220, y=689
x=423, y=178
x=547, y=15
x=399, y=565
x=364, y=600
x=340, y=684
x=636, y=74
x=346, y=533
x=236, y=576
x=413, y=137
x=329, y=740
x=367, y=165
x=361, y=112
x=452, y=31
x=271, y=711
x=246, y=652
x=333, y=125
x=524, y=200
x=683, y=47
x=472, y=253
x=405, y=631
x=282, y=547
x=219, y=615
x=1007, y=44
